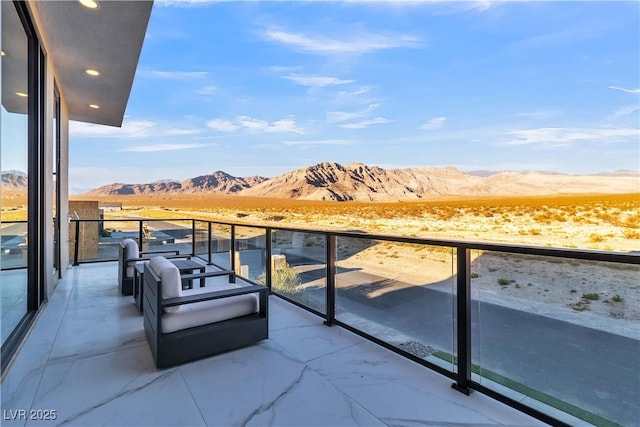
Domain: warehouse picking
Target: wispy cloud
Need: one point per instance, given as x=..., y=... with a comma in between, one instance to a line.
x=318, y=142
x=540, y=114
x=625, y=89
x=447, y=6
x=317, y=81
x=434, y=123
x=357, y=92
x=263, y=126
x=343, y=116
x=132, y=129
x=176, y=131
x=207, y=90
x=135, y=129
x=625, y=111
x=364, y=123
x=162, y=147
x=566, y=35
x=253, y=125
x=174, y=75
x=222, y=125
x=568, y=136
x=185, y=3
x=284, y=69
x=354, y=44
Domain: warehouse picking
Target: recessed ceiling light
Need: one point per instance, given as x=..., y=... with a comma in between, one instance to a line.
x=91, y=4
x=94, y=106
x=22, y=94
x=92, y=72
x=2, y=53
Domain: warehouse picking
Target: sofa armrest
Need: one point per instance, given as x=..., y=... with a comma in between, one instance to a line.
x=177, y=255
x=207, y=274
x=190, y=299
x=160, y=252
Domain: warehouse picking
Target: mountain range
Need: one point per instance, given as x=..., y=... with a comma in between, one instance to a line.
x=361, y=182
x=13, y=180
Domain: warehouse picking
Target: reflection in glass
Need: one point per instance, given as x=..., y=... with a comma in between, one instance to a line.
x=563, y=331
x=55, y=197
x=14, y=168
x=221, y=245
x=299, y=267
x=250, y=253
x=400, y=293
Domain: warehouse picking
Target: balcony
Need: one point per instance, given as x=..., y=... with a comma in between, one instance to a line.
x=87, y=358
x=404, y=328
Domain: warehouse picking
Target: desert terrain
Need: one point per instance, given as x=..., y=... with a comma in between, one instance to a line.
x=602, y=295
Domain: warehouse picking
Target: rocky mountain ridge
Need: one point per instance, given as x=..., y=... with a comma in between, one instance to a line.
x=217, y=182
x=361, y=182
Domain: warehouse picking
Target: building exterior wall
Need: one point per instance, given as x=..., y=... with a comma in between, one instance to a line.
x=63, y=176
x=89, y=237
x=50, y=275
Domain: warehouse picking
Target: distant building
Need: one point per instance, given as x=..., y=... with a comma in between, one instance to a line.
x=110, y=206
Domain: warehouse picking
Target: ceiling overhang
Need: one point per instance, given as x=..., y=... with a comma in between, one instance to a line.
x=107, y=39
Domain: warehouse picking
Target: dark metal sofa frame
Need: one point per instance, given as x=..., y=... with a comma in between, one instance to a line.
x=126, y=283
x=170, y=349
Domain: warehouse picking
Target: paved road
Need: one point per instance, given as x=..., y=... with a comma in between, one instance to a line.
x=13, y=232
x=588, y=368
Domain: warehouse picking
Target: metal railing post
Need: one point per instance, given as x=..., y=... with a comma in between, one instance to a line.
x=269, y=253
x=193, y=237
x=331, y=280
x=232, y=249
x=463, y=309
x=209, y=256
x=76, y=243
x=140, y=235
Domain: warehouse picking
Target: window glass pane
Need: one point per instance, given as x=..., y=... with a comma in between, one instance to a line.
x=13, y=163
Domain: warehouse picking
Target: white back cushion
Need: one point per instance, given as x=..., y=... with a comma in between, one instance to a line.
x=170, y=276
x=130, y=251
x=205, y=312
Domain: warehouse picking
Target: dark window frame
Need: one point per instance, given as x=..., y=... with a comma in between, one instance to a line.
x=36, y=78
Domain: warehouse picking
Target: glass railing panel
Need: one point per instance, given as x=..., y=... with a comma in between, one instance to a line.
x=299, y=267
x=13, y=235
x=559, y=332
x=221, y=245
x=250, y=252
x=100, y=240
x=168, y=235
x=110, y=234
x=201, y=239
x=89, y=238
x=400, y=293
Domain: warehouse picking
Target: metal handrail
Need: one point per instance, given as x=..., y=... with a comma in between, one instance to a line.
x=462, y=376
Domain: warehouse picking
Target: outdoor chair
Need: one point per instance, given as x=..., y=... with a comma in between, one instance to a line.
x=129, y=255
x=182, y=325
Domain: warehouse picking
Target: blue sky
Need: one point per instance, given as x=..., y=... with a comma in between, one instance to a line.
x=264, y=87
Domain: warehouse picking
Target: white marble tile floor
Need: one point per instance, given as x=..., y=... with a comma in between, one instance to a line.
x=88, y=360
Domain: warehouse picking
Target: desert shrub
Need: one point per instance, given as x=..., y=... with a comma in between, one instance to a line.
x=285, y=281
x=591, y=297
x=596, y=238
x=617, y=298
x=503, y=282
x=631, y=234
x=474, y=275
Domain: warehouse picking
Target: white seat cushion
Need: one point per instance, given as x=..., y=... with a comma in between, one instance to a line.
x=205, y=312
x=170, y=276
x=130, y=251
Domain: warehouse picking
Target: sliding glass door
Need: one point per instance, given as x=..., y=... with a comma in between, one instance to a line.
x=15, y=214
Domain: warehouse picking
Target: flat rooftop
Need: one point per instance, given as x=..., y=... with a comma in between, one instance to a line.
x=87, y=359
